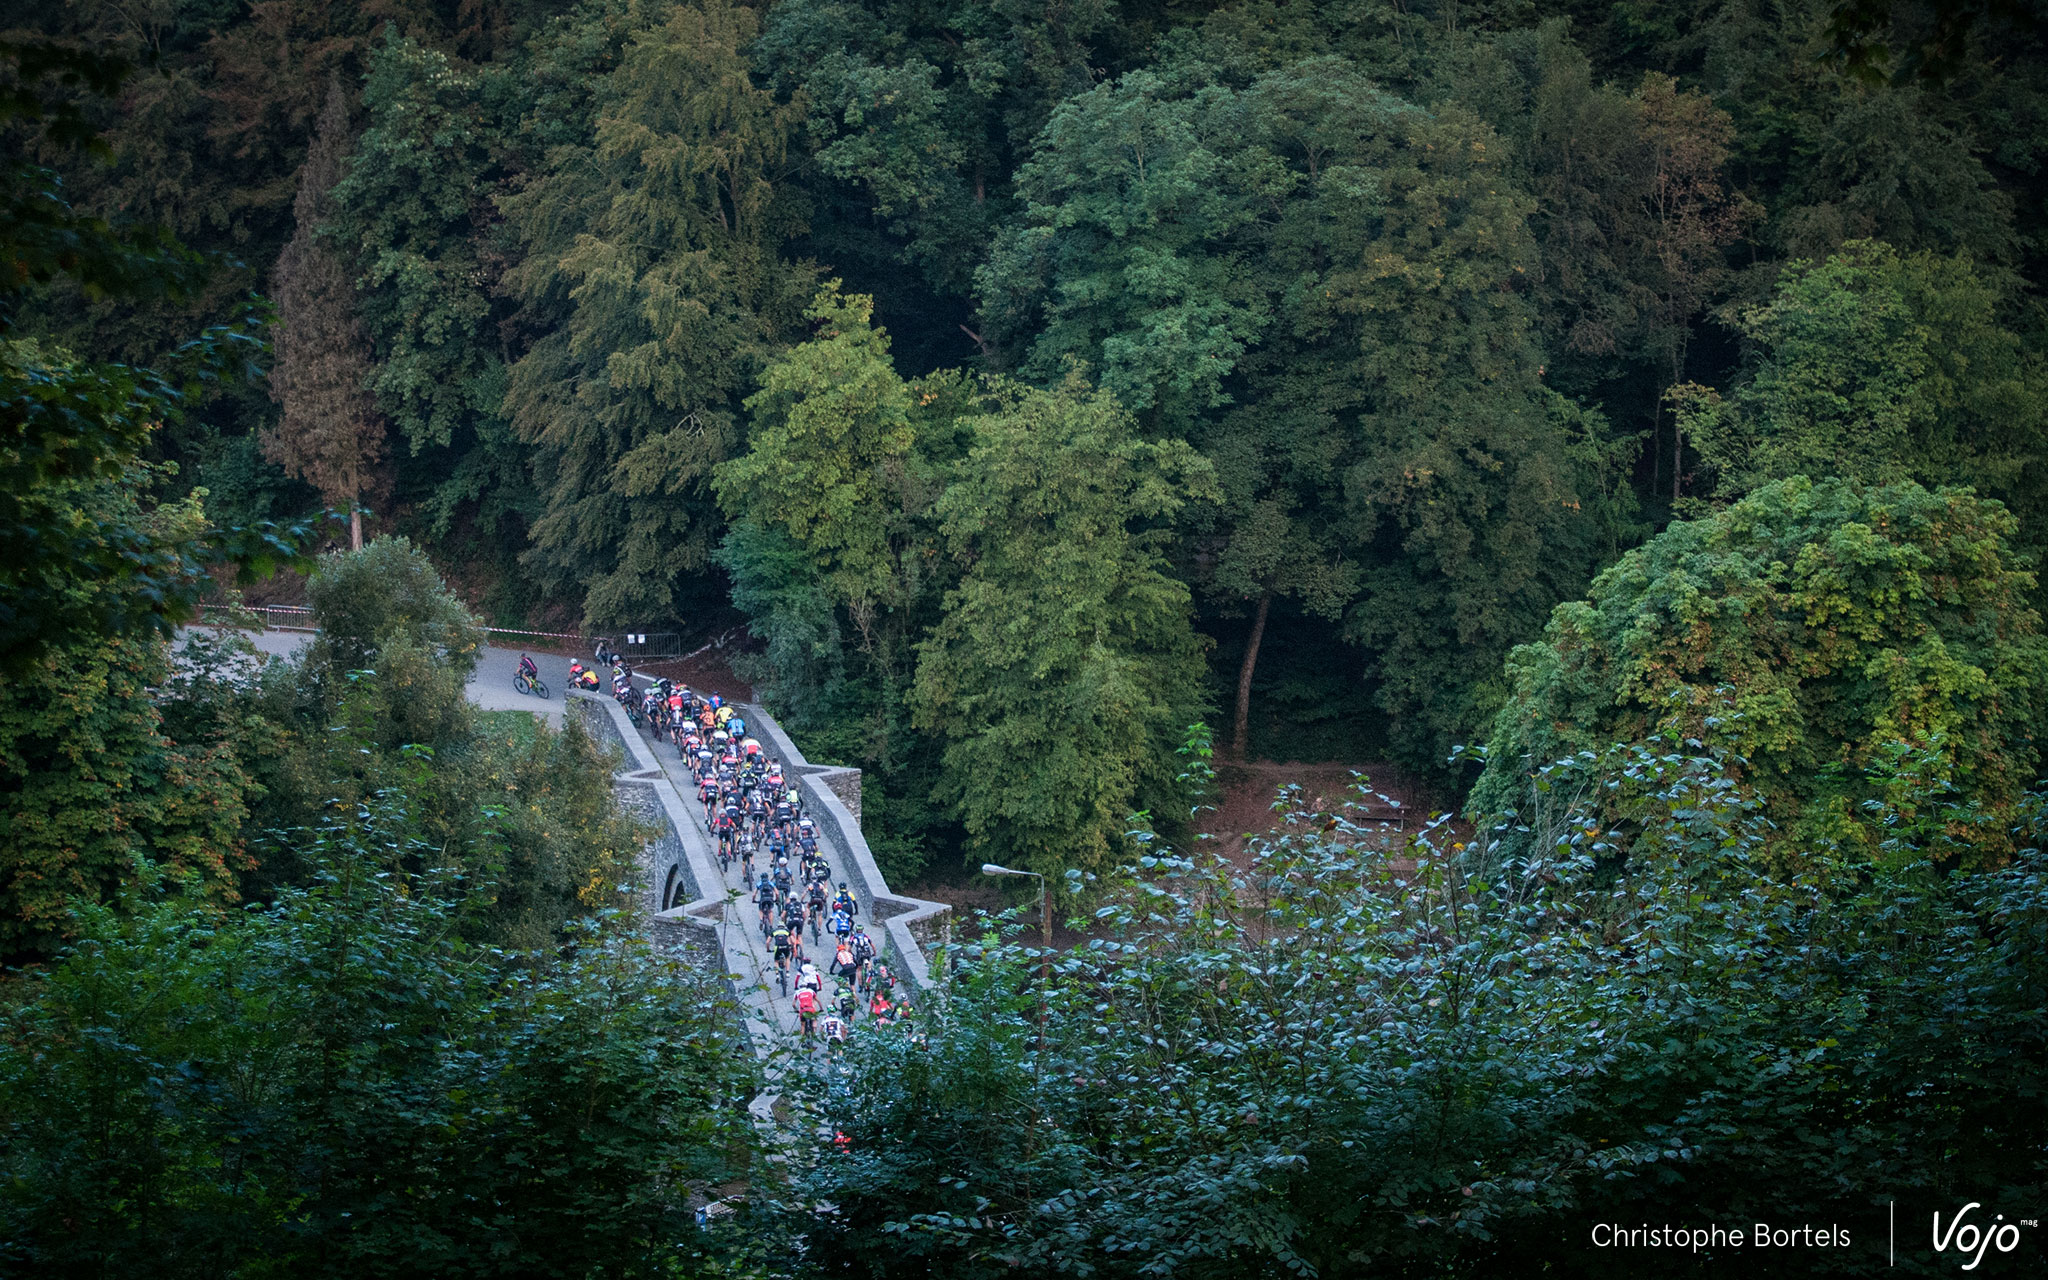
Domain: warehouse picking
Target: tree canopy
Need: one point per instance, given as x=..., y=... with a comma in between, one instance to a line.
x=1807, y=633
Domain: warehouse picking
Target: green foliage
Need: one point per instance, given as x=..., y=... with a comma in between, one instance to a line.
x=93, y=793
x=780, y=590
x=1064, y=668
x=377, y=702
x=336, y=1084
x=1877, y=366
x=388, y=595
x=1428, y=1055
x=80, y=554
x=1802, y=632
x=666, y=239
x=832, y=431
x=414, y=213
x=1317, y=283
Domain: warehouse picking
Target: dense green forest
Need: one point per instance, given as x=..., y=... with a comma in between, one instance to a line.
x=1626, y=419
x=1417, y=315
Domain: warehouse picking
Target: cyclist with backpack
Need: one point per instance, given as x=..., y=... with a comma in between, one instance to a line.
x=779, y=943
x=863, y=956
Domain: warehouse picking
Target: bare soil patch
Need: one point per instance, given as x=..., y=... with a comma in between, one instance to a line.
x=1252, y=802
x=708, y=667
x=1246, y=809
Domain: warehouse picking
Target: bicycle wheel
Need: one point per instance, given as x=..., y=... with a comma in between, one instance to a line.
x=539, y=687
x=520, y=684
x=782, y=978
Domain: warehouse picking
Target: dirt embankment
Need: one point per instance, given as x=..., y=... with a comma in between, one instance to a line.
x=1246, y=808
x=1257, y=796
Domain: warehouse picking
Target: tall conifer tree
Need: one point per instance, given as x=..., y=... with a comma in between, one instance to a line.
x=677, y=293
x=329, y=434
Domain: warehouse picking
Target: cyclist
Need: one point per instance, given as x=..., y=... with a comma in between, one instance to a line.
x=779, y=941
x=843, y=901
x=764, y=896
x=842, y=959
x=793, y=916
x=746, y=858
x=527, y=668
x=782, y=877
x=863, y=956
x=817, y=906
x=841, y=927
x=833, y=1025
x=807, y=1009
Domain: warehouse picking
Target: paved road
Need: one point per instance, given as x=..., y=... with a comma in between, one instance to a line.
x=490, y=685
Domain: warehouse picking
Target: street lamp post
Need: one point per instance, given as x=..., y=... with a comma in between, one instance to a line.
x=1044, y=983
x=1045, y=911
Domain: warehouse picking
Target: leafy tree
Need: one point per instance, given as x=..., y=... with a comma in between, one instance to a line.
x=1316, y=283
x=1800, y=632
x=833, y=552
x=1064, y=669
x=337, y=1084
x=414, y=211
x=329, y=433
x=1876, y=366
x=833, y=431
x=388, y=593
x=1692, y=219
x=92, y=791
x=677, y=295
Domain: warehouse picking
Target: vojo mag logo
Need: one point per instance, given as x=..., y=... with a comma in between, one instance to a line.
x=1972, y=1239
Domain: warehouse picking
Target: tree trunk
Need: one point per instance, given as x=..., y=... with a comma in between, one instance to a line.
x=1677, y=457
x=1240, y=735
x=355, y=527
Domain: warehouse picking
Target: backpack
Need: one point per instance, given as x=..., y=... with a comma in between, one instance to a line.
x=806, y=1001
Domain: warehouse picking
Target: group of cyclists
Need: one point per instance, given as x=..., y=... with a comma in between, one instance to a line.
x=753, y=813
